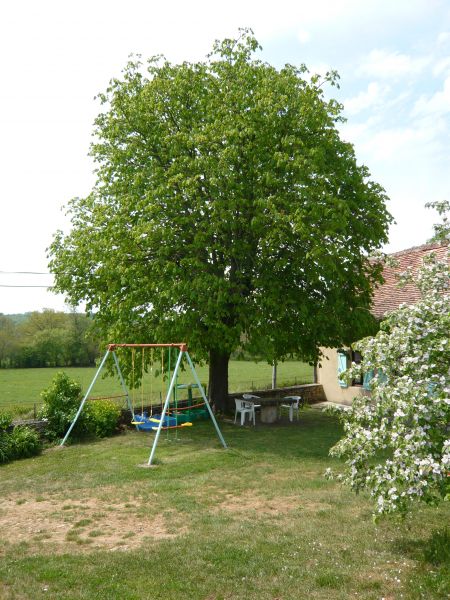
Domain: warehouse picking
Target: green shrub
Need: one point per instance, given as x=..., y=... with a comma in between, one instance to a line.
x=25, y=442
x=61, y=402
x=5, y=437
x=103, y=417
x=20, y=442
x=5, y=447
x=5, y=421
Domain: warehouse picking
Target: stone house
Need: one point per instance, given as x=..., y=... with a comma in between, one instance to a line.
x=387, y=297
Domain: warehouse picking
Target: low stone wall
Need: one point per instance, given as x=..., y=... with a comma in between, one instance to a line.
x=36, y=424
x=310, y=392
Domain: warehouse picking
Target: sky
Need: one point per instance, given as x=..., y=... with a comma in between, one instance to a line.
x=393, y=58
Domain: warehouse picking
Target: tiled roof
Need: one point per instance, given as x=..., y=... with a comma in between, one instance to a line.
x=389, y=295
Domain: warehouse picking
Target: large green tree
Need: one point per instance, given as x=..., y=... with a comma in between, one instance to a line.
x=227, y=211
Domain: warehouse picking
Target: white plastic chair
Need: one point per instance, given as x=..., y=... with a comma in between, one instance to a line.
x=293, y=406
x=252, y=398
x=245, y=408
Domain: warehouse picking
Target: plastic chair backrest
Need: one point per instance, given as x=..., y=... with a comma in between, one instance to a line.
x=241, y=404
x=250, y=397
x=297, y=400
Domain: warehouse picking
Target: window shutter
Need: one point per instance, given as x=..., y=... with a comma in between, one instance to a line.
x=431, y=389
x=382, y=377
x=368, y=376
x=342, y=366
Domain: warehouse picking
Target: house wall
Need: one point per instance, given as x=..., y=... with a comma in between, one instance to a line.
x=327, y=376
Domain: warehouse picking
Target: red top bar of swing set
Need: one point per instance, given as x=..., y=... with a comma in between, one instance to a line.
x=182, y=346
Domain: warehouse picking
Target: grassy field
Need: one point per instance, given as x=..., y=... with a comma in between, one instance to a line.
x=21, y=388
x=255, y=522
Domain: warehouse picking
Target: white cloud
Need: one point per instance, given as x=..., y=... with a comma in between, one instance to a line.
x=443, y=37
x=373, y=96
x=319, y=69
x=436, y=105
x=389, y=143
x=422, y=140
x=391, y=65
x=442, y=66
x=409, y=163
x=336, y=12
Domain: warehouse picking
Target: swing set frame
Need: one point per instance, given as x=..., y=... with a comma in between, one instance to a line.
x=183, y=353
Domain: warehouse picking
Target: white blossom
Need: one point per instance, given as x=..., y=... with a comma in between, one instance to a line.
x=408, y=411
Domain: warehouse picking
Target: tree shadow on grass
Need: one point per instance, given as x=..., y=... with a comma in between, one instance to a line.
x=310, y=437
x=431, y=576
x=434, y=550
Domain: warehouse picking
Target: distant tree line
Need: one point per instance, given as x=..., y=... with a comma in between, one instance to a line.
x=47, y=339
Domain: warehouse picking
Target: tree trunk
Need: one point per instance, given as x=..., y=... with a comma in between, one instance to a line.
x=218, y=379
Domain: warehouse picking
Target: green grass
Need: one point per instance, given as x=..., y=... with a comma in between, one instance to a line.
x=20, y=388
x=256, y=522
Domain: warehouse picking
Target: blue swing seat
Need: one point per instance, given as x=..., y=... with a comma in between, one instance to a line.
x=145, y=423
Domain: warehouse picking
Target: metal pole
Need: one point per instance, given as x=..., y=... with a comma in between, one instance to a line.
x=202, y=391
x=169, y=379
x=122, y=381
x=80, y=408
x=166, y=404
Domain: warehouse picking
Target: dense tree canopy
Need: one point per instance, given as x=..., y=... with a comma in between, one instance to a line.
x=47, y=339
x=227, y=211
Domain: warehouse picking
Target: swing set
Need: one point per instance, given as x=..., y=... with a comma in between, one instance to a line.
x=169, y=418
x=175, y=419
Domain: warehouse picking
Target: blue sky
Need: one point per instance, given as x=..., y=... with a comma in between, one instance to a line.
x=393, y=58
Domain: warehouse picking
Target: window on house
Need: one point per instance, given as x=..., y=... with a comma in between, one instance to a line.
x=356, y=358
x=341, y=367
x=345, y=360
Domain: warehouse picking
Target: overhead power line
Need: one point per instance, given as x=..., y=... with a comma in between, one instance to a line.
x=9, y=285
x=25, y=286
x=25, y=273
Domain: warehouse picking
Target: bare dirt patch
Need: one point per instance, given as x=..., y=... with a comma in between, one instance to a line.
x=251, y=504
x=65, y=525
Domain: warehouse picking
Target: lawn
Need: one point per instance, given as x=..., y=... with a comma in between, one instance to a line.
x=256, y=521
x=21, y=388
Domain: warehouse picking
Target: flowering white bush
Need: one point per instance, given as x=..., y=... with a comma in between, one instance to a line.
x=396, y=440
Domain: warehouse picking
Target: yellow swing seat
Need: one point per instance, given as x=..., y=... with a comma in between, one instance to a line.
x=187, y=424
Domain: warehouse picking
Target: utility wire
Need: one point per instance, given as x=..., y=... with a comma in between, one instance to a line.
x=26, y=286
x=25, y=273
x=5, y=285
